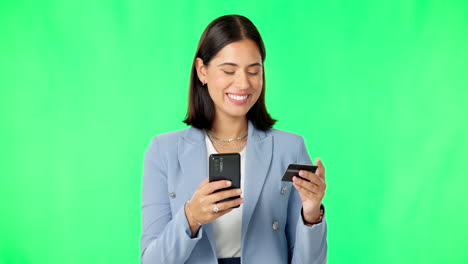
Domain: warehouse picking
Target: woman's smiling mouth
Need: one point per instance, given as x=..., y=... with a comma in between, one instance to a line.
x=237, y=99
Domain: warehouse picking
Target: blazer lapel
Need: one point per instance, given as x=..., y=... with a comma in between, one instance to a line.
x=193, y=162
x=257, y=162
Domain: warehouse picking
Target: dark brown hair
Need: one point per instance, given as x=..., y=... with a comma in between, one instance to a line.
x=219, y=33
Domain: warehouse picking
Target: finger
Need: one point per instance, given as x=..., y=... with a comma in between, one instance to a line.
x=221, y=213
x=306, y=194
x=218, y=196
x=228, y=204
x=311, y=177
x=216, y=185
x=321, y=169
x=306, y=185
x=312, y=187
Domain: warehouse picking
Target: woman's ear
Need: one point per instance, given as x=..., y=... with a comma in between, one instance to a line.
x=201, y=70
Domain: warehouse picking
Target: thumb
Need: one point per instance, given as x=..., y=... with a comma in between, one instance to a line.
x=321, y=169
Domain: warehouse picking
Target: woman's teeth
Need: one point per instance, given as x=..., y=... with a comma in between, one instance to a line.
x=237, y=97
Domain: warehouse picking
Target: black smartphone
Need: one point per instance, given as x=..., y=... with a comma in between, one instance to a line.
x=226, y=166
x=293, y=170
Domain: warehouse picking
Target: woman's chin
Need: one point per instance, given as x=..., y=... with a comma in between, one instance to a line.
x=237, y=114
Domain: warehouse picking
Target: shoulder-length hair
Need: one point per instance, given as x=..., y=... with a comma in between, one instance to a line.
x=219, y=33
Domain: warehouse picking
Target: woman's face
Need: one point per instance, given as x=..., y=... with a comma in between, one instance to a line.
x=234, y=78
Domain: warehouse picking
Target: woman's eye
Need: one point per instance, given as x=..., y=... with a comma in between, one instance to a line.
x=232, y=73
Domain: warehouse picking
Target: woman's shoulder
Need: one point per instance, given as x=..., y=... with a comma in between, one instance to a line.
x=288, y=144
x=168, y=139
x=285, y=141
x=284, y=135
x=171, y=135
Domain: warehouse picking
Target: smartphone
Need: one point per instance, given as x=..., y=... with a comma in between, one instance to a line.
x=293, y=170
x=226, y=166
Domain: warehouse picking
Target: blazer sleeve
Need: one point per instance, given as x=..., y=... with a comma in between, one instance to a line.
x=166, y=238
x=307, y=244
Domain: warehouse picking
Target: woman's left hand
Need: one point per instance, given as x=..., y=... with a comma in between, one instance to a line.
x=311, y=192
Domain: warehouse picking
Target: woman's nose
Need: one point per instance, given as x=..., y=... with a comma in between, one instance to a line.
x=242, y=81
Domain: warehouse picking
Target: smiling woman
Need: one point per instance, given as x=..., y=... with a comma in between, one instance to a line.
x=235, y=83
x=189, y=219
x=229, y=62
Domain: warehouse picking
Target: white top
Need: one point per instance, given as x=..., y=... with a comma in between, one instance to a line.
x=227, y=228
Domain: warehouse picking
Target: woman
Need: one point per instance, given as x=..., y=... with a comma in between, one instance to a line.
x=183, y=219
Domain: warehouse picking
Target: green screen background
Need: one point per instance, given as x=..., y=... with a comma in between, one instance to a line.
x=377, y=88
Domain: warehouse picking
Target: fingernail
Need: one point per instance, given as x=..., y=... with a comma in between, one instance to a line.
x=295, y=179
x=301, y=173
x=239, y=191
x=228, y=183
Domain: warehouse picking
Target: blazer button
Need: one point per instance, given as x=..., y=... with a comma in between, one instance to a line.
x=172, y=195
x=284, y=190
x=275, y=225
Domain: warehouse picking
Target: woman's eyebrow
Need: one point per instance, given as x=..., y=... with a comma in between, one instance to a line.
x=233, y=64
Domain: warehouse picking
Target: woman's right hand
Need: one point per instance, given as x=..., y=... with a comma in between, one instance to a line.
x=204, y=201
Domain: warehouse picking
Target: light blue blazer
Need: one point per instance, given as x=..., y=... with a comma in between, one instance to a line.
x=273, y=231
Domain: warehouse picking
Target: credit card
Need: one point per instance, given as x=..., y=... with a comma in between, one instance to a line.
x=293, y=170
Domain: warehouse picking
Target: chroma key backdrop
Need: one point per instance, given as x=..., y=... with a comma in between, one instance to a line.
x=377, y=88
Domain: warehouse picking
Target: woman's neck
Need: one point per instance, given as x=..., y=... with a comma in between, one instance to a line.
x=226, y=128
